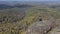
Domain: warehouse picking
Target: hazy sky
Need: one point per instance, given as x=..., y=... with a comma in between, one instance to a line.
x=29, y=0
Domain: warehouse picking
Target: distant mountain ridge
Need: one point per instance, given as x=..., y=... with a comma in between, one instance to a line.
x=4, y=6
x=21, y=4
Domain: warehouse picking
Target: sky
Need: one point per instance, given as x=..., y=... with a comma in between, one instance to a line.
x=29, y=0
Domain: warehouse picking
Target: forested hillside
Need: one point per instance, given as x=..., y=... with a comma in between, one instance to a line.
x=30, y=19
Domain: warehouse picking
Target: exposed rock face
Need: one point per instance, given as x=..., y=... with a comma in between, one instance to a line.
x=40, y=27
x=56, y=30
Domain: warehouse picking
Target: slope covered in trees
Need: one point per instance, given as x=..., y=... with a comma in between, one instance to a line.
x=21, y=20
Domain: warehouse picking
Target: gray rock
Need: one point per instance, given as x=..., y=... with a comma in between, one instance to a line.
x=40, y=27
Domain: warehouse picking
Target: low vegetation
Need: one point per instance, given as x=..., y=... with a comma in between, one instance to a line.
x=17, y=20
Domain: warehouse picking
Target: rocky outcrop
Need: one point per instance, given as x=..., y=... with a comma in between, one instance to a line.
x=41, y=27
